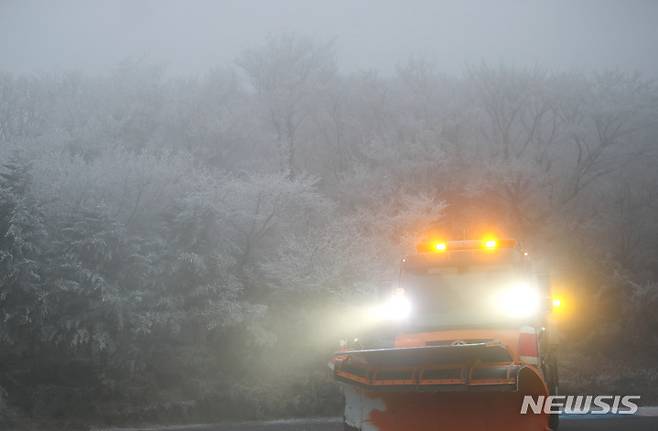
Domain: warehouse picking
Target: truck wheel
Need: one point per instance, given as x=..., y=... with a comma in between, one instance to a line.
x=347, y=427
x=551, y=373
x=553, y=422
x=553, y=419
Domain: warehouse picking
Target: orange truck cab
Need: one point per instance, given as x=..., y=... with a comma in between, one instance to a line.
x=460, y=341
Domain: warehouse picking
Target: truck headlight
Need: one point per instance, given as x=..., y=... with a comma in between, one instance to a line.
x=397, y=307
x=518, y=301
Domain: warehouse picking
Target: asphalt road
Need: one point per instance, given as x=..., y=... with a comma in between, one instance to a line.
x=635, y=423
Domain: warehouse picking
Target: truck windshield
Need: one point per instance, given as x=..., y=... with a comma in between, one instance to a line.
x=452, y=297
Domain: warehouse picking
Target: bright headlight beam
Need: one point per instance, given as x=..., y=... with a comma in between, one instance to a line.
x=518, y=301
x=397, y=307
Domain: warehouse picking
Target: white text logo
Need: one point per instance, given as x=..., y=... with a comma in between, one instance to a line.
x=580, y=404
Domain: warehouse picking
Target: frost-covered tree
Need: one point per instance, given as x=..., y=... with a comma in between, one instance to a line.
x=23, y=237
x=286, y=74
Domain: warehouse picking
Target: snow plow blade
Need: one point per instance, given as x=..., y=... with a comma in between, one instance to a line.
x=467, y=387
x=462, y=367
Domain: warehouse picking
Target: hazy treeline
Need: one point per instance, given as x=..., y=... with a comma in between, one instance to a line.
x=178, y=247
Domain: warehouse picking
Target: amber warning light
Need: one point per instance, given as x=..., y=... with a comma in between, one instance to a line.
x=490, y=244
x=487, y=243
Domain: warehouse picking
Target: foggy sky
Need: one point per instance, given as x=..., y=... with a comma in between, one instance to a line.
x=192, y=36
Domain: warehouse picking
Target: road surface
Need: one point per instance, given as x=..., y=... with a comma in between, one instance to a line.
x=608, y=423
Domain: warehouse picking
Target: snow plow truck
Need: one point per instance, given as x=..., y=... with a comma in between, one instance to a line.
x=457, y=344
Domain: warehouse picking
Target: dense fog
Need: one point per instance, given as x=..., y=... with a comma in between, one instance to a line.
x=191, y=37
x=181, y=245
